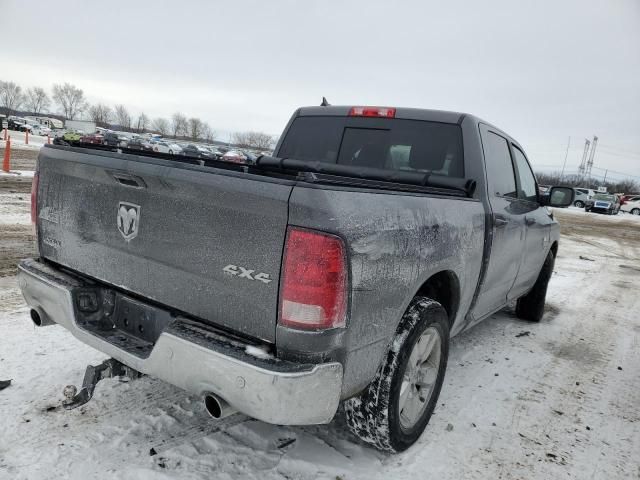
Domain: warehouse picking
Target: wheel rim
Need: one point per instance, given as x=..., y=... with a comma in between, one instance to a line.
x=419, y=378
x=635, y=211
x=579, y=204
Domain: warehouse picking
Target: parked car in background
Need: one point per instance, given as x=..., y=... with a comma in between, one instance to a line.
x=251, y=158
x=115, y=140
x=165, y=147
x=71, y=136
x=139, y=143
x=93, y=138
x=603, y=203
x=632, y=206
x=15, y=123
x=215, y=152
x=197, y=151
x=42, y=130
x=629, y=198
x=581, y=197
x=234, y=156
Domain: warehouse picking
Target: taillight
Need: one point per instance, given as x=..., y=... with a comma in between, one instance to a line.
x=386, y=112
x=34, y=198
x=313, y=292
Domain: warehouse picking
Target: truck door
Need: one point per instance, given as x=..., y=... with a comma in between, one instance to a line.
x=507, y=221
x=537, y=225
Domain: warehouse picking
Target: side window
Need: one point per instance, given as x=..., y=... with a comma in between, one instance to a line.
x=527, y=180
x=500, y=174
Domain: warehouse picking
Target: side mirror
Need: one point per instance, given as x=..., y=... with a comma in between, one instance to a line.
x=560, y=197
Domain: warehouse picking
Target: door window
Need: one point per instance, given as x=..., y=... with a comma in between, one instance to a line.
x=525, y=175
x=500, y=174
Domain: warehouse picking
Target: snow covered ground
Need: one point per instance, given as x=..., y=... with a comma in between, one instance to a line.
x=18, y=139
x=559, y=399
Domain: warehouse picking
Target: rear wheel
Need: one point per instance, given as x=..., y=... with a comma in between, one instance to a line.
x=393, y=411
x=531, y=306
x=578, y=203
x=635, y=211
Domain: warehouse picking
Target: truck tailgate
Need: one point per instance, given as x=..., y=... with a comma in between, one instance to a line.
x=204, y=241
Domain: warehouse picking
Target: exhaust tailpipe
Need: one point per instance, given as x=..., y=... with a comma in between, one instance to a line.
x=217, y=407
x=40, y=319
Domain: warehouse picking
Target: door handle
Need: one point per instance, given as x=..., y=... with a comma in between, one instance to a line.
x=529, y=221
x=499, y=221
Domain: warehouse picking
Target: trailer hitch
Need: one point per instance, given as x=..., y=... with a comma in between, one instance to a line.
x=92, y=375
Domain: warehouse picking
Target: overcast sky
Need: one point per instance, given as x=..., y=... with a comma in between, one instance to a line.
x=540, y=70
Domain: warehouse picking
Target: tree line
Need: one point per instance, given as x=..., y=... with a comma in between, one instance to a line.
x=72, y=105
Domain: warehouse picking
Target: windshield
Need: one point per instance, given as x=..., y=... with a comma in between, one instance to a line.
x=390, y=144
x=602, y=196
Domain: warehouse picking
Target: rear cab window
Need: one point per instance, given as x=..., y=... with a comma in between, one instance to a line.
x=500, y=173
x=383, y=143
x=527, y=184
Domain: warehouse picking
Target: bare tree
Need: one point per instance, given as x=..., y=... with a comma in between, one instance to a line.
x=257, y=140
x=70, y=98
x=143, y=122
x=161, y=125
x=196, y=128
x=37, y=100
x=122, y=117
x=208, y=133
x=179, y=124
x=101, y=114
x=11, y=97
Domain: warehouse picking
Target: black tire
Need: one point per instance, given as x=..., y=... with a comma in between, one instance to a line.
x=531, y=306
x=373, y=416
x=635, y=211
x=578, y=203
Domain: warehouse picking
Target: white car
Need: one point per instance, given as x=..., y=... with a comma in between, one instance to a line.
x=41, y=130
x=166, y=147
x=632, y=207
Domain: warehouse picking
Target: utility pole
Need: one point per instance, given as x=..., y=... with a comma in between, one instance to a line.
x=591, y=155
x=565, y=159
x=581, y=169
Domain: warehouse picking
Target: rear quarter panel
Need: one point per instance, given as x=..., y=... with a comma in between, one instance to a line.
x=395, y=242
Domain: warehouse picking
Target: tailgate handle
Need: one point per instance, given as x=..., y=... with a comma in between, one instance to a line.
x=129, y=180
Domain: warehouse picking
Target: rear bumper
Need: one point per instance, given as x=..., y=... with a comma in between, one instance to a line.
x=271, y=390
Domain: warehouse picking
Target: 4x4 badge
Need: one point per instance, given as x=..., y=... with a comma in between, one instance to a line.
x=128, y=220
x=242, y=272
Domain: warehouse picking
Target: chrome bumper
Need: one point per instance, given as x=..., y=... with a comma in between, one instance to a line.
x=276, y=392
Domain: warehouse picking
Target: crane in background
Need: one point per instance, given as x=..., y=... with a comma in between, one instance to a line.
x=583, y=163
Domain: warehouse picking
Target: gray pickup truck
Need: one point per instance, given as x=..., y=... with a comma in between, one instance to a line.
x=334, y=272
